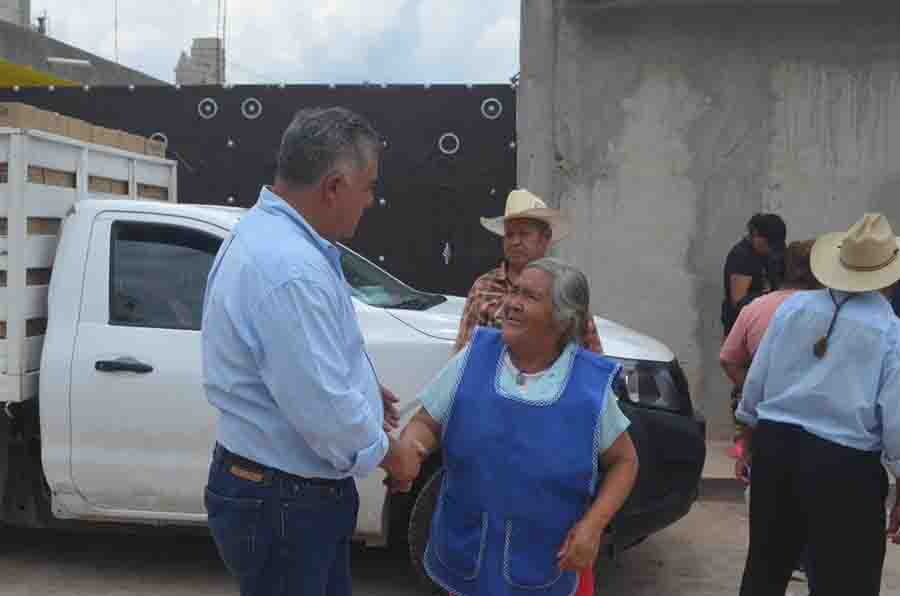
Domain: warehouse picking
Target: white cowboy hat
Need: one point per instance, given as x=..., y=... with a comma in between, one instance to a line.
x=863, y=259
x=521, y=204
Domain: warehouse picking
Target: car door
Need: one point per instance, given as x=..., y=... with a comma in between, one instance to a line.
x=142, y=431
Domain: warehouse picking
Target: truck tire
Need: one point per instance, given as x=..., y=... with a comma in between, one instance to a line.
x=420, y=527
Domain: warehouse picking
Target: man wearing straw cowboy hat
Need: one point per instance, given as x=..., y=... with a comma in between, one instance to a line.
x=528, y=228
x=823, y=400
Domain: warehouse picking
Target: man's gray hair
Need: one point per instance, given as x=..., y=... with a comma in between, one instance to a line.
x=570, y=294
x=319, y=140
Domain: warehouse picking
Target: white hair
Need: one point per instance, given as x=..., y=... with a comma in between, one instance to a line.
x=570, y=294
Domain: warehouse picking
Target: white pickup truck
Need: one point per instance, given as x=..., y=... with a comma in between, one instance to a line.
x=103, y=416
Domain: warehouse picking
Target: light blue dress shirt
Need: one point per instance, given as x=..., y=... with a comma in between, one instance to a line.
x=283, y=357
x=851, y=396
x=437, y=397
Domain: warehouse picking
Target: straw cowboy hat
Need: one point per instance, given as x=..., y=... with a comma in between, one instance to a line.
x=521, y=204
x=863, y=259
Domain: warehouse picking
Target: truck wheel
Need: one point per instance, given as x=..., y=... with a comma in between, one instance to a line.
x=420, y=527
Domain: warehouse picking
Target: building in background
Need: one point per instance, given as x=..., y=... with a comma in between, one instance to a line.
x=30, y=57
x=661, y=126
x=17, y=12
x=205, y=65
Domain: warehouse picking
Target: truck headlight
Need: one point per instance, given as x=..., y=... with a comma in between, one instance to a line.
x=651, y=384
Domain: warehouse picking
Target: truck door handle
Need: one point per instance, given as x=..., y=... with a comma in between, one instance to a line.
x=127, y=364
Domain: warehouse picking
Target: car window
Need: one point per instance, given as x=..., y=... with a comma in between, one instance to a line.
x=378, y=288
x=158, y=275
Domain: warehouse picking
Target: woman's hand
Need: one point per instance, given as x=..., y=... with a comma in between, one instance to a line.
x=581, y=547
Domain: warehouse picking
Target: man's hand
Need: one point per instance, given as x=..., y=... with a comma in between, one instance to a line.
x=893, y=531
x=403, y=463
x=581, y=547
x=742, y=470
x=391, y=412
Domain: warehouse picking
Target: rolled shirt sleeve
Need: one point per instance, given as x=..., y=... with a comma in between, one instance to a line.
x=437, y=396
x=612, y=424
x=312, y=371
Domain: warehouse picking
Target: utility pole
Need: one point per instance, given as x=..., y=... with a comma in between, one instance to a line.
x=224, y=46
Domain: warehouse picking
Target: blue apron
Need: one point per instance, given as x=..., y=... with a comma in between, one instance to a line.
x=518, y=476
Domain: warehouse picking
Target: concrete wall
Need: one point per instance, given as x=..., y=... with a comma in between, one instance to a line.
x=28, y=48
x=662, y=129
x=17, y=12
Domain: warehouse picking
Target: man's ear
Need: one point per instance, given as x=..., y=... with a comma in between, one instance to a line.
x=331, y=184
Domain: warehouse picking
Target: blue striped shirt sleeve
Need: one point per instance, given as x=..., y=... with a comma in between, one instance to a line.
x=304, y=365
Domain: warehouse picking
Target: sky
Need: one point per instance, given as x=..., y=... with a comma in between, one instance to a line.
x=304, y=41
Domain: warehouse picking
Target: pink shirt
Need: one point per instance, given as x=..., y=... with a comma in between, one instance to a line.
x=750, y=327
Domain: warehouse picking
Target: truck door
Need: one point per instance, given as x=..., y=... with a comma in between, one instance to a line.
x=142, y=431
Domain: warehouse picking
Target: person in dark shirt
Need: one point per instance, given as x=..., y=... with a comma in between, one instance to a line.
x=895, y=302
x=752, y=266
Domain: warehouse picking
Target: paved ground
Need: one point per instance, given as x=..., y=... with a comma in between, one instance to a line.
x=700, y=556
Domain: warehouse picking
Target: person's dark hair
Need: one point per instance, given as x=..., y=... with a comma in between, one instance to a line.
x=797, y=271
x=318, y=140
x=770, y=226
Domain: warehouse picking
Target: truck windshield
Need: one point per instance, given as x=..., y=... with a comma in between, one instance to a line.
x=378, y=288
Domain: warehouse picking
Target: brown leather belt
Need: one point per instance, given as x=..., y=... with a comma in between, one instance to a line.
x=247, y=469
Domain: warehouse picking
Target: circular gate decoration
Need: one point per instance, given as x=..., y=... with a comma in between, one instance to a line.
x=491, y=108
x=449, y=143
x=208, y=108
x=251, y=108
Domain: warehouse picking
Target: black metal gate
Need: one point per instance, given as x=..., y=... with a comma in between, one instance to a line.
x=450, y=158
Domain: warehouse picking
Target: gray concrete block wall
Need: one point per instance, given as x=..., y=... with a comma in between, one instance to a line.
x=29, y=48
x=17, y=12
x=661, y=130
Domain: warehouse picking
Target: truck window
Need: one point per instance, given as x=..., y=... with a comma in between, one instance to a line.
x=158, y=275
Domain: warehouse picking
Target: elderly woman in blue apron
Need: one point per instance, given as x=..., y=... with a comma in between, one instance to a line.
x=536, y=453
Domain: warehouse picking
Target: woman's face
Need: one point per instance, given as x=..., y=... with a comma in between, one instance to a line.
x=529, y=311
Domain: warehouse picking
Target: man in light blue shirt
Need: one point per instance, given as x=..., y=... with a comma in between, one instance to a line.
x=822, y=398
x=300, y=408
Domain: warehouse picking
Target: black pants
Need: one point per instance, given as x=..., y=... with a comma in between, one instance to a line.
x=807, y=490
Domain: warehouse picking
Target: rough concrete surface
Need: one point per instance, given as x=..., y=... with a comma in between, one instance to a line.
x=702, y=555
x=660, y=131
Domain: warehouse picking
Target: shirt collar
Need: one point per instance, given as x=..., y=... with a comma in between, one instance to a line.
x=272, y=203
x=873, y=299
x=502, y=272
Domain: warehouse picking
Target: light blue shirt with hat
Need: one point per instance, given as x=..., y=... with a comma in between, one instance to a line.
x=849, y=392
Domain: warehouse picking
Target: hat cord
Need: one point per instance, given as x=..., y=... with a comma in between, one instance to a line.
x=821, y=346
x=890, y=260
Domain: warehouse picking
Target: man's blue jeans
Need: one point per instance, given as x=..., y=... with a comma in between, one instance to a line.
x=281, y=534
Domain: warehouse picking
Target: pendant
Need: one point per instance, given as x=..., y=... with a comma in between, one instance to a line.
x=820, y=347
x=520, y=378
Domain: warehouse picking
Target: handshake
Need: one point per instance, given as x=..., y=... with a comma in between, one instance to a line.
x=403, y=463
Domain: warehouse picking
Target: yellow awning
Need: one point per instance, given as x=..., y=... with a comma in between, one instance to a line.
x=12, y=74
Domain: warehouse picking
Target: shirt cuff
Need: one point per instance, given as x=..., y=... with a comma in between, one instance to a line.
x=744, y=417
x=369, y=458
